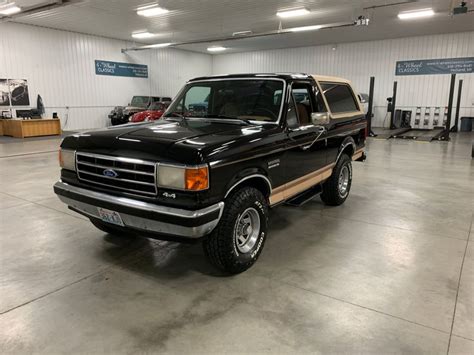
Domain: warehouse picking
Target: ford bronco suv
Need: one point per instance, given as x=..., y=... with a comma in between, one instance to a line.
x=212, y=174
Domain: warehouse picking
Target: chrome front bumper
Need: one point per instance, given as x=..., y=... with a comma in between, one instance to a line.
x=140, y=215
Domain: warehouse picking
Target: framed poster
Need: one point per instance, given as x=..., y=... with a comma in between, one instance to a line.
x=4, y=93
x=19, y=92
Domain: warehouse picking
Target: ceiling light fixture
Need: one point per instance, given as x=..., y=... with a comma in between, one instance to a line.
x=159, y=45
x=305, y=28
x=409, y=15
x=8, y=9
x=151, y=10
x=142, y=34
x=242, y=33
x=293, y=12
x=216, y=49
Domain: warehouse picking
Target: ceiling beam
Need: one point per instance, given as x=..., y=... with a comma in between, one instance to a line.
x=235, y=38
x=45, y=6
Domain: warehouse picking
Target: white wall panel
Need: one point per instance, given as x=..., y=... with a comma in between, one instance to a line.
x=359, y=61
x=59, y=66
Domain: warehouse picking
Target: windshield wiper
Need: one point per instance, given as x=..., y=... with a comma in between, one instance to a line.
x=227, y=117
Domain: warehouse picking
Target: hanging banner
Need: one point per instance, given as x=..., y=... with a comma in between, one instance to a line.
x=435, y=66
x=103, y=67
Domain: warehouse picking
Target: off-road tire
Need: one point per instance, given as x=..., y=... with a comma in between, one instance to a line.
x=331, y=194
x=221, y=247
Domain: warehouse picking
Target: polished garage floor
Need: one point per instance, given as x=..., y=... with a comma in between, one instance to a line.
x=391, y=271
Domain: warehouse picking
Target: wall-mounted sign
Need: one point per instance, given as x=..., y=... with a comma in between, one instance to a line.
x=435, y=66
x=103, y=67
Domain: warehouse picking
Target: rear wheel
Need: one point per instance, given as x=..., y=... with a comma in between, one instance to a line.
x=336, y=189
x=237, y=241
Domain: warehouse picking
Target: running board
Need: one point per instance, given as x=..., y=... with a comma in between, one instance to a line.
x=305, y=196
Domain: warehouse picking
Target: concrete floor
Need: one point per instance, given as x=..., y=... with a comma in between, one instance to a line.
x=391, y=271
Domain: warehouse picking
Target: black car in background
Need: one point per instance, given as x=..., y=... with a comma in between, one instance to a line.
x=121, y=115
x=211, y=172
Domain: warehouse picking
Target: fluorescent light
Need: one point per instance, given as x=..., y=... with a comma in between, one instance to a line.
x=9, y=9
x=408, y=15
x=143, y=34
x=160, y=45
x=293, y=12
x=305, y=28
x=216, y=49
x=242, y=33
x=151, y=10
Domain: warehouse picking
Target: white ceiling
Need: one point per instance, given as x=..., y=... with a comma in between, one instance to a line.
x=203, y=19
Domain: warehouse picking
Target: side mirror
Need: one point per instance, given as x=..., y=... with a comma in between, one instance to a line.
x=320, y=118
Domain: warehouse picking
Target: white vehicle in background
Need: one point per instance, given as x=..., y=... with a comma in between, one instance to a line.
x=364, y=100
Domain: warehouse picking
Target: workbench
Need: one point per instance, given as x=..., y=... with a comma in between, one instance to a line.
x=30, y=128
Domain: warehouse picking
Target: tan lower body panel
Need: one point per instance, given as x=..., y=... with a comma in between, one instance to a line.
x=357, y=154
x=299, y=185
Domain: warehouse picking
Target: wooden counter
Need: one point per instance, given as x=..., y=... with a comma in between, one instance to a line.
x=31, y=128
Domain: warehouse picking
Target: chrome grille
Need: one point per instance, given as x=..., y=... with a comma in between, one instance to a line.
x=131, y=175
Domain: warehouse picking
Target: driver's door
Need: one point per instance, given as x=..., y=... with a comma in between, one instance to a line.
x=306, y=157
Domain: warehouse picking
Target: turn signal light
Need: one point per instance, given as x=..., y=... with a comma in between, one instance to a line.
x=197, y=179
x=67, y=159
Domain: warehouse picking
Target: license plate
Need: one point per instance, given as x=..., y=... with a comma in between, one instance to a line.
x=110, y=216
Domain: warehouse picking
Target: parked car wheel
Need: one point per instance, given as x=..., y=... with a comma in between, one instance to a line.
x=336, y=189
x=237, y=241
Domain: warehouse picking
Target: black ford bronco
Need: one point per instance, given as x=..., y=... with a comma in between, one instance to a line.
x=212, y=173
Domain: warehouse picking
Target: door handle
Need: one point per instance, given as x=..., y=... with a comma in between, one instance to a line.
x=321, y=131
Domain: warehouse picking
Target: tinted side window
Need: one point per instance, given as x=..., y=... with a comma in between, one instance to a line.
x=339, y=97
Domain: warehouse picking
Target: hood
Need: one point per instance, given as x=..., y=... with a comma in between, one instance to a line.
x=132, y=109
x=154, y=140
x=151, y=115
x=176, y=131
x=135, y=108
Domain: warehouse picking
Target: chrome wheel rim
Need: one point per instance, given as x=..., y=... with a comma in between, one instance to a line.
x=344, y=181
x=247, y=230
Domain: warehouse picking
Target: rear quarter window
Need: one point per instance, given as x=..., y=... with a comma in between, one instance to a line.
x=340, y=97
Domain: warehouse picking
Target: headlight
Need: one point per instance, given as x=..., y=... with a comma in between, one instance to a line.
x=67, y=159
x=183, y=178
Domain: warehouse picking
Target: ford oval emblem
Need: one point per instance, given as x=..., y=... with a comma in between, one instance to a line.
x=110, y=173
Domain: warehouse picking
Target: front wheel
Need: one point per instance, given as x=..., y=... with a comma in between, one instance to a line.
x=336, y=188
x=237, y=241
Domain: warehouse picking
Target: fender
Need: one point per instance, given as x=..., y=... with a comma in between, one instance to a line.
x=346, y=143
x=246, y=175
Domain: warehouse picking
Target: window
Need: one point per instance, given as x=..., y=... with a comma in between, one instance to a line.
x=255, y=100
x=339, y=97
x=302, y=105
x=140, y=101
x=291, y=118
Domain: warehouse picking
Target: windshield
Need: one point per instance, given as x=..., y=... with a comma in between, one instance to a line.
x=140, y=101
x=158, y=106
x=256, y=100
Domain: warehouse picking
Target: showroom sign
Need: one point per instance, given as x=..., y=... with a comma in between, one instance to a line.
x=435, y=66
x=103, y=67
